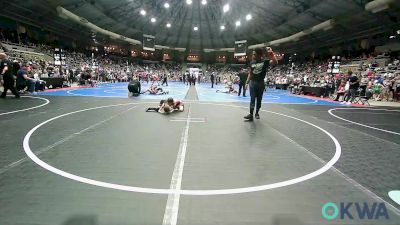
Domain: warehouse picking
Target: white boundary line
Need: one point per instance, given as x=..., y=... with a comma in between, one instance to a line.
x=306, y=177
x=27, y=109
x=125, y=91
x=344, y=176
x=242, y=101
x=190, y=121
x=70, y=92
x=69, y=137
x=360, y=124
x=172, y=207
x=395, y=196
x=214, y=91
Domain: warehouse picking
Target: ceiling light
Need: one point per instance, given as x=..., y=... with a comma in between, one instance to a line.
x=195, y=28
x=166, y=5
x=222, y=27
x=142, y=12
x=237, y=23
x=168, y=25
x=249, y=17
x=189, y=2
x=204, y=2
x=225, y=8
x=153, y=20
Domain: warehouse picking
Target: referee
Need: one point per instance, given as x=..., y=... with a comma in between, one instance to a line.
x=258, y=70
x=134, y=87
x=6, y=76
x=242, y=82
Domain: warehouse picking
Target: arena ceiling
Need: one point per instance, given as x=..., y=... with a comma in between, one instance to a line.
x=270, y=19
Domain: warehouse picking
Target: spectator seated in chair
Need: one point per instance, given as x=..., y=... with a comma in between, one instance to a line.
x=341, y=91
x=40, y=84
x=23, y=80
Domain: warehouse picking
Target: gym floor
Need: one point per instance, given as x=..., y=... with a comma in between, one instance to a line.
x=97, y=158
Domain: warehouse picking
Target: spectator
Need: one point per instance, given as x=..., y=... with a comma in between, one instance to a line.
x=341, y=91
x=23, y=80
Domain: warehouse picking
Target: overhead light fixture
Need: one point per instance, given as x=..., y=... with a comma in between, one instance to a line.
x=378, y=5
x=153, y=20
x=381, y=8
x=168, y=25
x=204, y=2
x=142, y=12
x=189, y=2
x=249, y=17
x=222, y=27
x=195, y=28
x=237, y=23
x=166, y=5
x=225, y=8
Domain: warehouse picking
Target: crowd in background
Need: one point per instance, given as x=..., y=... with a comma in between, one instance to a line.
x=377, y=75
x=87, y=69
x=381, y=81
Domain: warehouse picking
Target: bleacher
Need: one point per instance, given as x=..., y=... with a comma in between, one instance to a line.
x=23, y=52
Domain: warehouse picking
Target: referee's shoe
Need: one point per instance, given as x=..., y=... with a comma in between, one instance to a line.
x=249, y=117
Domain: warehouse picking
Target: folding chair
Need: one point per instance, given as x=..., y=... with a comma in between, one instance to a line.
x=363, y=99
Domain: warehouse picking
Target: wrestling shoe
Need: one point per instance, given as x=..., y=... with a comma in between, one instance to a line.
x=249, y=117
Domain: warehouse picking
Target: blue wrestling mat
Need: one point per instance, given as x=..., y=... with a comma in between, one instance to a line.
x=178, y=90
x=206, y=93
x=120, y=90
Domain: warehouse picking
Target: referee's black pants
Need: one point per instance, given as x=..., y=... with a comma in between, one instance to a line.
x=242, y=86
x=134, y=89
x=9, y=85
x=256, y=94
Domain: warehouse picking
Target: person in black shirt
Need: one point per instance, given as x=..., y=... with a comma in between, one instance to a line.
x=7, y=79
x=189, y=79
x=212, y=78
x=255, y=79
x=134, y=87
x=165, y=80
x=194, y=80
x=23, y=80
x=353, y=88
x=15, y=67
x=242, y=82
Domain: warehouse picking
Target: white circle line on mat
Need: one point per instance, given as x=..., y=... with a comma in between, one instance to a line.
x=70, y=92
x=395, y=196
x=306, y=177
x=30, y=108
x=125, y=91
x=360, y=124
